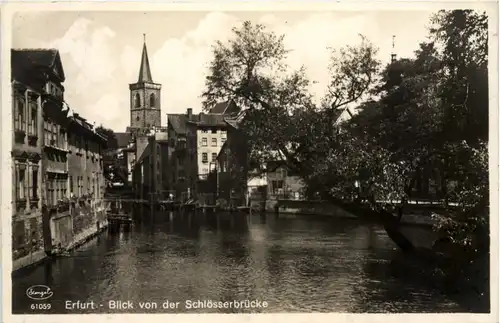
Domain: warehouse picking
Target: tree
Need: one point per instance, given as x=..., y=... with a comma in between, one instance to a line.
x=111, y=143
x=463, y=35
x=113, y=167
x=412, y=127
x=283, y=123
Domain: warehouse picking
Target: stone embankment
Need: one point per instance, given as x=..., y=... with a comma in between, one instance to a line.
x=414, y=216
x=65, y=229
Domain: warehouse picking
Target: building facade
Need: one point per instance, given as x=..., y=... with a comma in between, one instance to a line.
x=182, y=161
x=27, y=144
x=150, y=173
x=85, y=162
x=195, y=141
x=56, y=156
x=232, y=173
x=211, y=134
x=239, y=181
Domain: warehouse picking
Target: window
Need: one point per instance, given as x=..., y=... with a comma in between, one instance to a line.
x=214, y=157
x=223, y=132
x=137, y=118
x=33, y=118
x=277, y=185
x=20, y=183
x=45, y=133
x=222, y=140
x=98, y=186
x=214, y=130
x=137, y=100
x=58, y=189
x=63, y=142
x=152, y=100
x=34, y=183
x=19, y=121
x=204, y=158
x=51, y=134
x=204, y=131
x=80, y=186
x=214, y=142
x=64, y=188
x=204, y=142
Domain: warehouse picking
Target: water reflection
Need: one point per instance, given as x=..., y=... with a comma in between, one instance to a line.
x=296, y=264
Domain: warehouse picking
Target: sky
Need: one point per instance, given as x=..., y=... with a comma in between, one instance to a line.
x=101, y=51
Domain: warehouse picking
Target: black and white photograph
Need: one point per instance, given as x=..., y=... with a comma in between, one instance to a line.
x=252, y=161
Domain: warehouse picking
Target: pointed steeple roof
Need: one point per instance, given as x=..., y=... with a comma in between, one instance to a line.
x=145, y=71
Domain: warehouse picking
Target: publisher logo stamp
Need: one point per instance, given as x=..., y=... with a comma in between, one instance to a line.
x=39, y=292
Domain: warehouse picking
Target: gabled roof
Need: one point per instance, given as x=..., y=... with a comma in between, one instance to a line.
x=123, y=139
x=234, y=121
x=178, y=123
x=27, y=60
x=227, y=107
x=210, y=120
x=272, y=166
x=215, y=118
x=145, y=71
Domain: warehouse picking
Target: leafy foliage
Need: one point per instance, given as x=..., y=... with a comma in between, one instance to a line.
x=114, y=168
x=282, y=120
x=112, y=143
x=421, y=127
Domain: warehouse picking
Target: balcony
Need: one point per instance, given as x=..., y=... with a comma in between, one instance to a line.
x=52, y=144
x=34, y=203
x=20, y=204
x=53, y=166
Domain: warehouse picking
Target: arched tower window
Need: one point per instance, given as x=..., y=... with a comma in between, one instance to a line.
x=137, y=100
x=152, y=100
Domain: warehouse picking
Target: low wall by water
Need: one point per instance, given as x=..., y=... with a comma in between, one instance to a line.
x=85, y=219
x=414, y=216
x=307, y=208
x=67, y=230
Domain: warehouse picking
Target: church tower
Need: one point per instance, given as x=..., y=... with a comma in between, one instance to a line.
x=145, y=97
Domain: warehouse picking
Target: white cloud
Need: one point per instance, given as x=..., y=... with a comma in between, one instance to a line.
x=130, y=56
x=107, y=110
x=180, y=64
x=90, y=67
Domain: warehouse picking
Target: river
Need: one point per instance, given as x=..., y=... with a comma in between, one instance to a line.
x=293, y=263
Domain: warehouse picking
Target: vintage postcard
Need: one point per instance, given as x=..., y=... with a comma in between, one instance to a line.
x=327, y=160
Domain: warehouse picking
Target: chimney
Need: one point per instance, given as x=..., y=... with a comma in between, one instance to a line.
x=189, y=113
